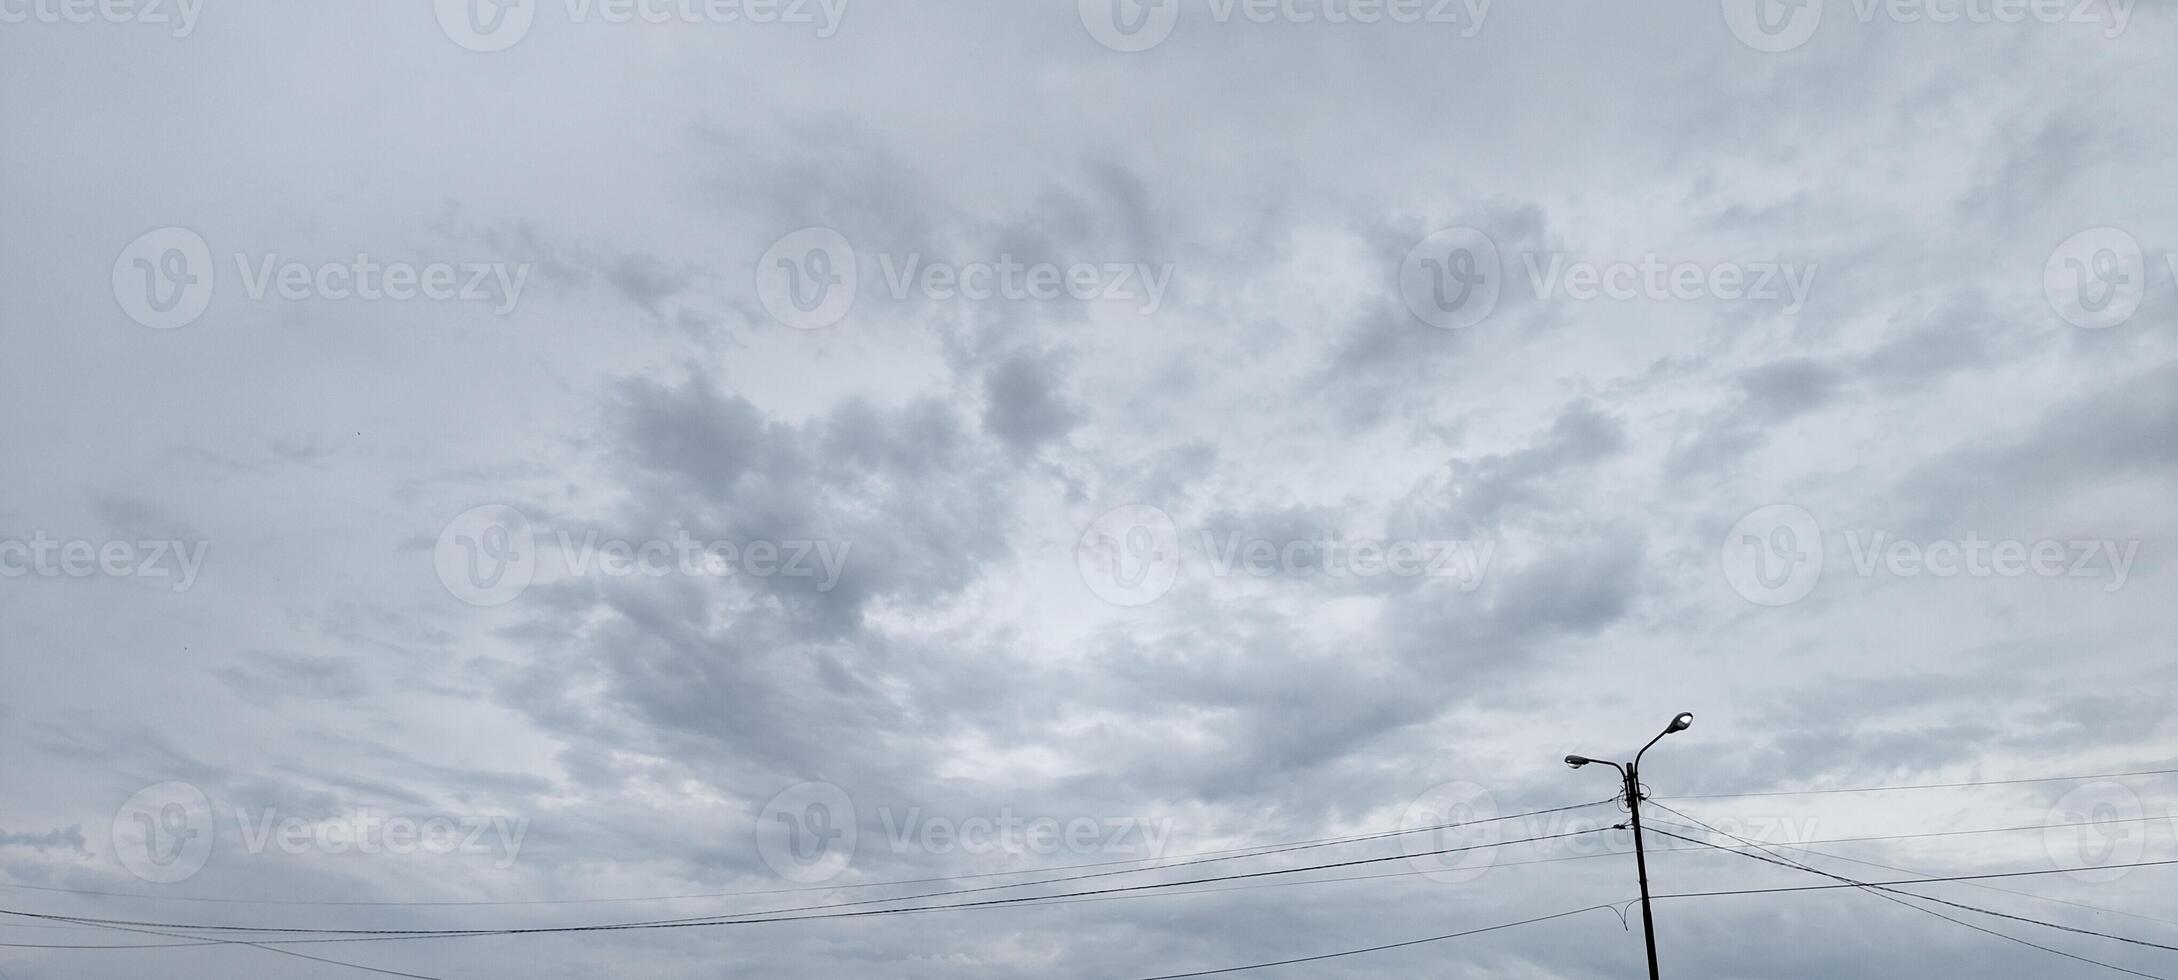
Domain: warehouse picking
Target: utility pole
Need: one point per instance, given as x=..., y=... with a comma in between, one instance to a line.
x=1631, y=774
x=1641, y=863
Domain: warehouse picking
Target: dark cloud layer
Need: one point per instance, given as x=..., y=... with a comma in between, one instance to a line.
x=1568, y=469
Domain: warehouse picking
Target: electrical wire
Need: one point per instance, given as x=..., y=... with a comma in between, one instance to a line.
x=1209, y=856
x=1919, y=786
x=1789, y=863
x=1917, y=881
x=267, y=947
x=1880, y=891
x=1898, y=868
x=1063, y=899
x=1376, y=949
x=763, y=917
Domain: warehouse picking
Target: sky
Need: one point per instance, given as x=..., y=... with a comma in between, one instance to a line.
x=566, y=462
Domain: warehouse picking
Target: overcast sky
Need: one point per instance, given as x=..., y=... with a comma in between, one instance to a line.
x=575, y=451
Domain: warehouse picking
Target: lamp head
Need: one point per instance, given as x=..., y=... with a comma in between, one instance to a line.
x=1575, y=761
x=1682, y=722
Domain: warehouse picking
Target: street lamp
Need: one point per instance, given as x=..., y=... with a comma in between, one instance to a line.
x=1631, y=775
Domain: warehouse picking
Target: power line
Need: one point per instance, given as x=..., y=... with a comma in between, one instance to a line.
x=1104, y=894
x=1787, y=862
x=1654, y=850
x=1918, y=881
x=1183, y=864
x=1376, y=949
x=765, y=917
x=789, y=914
x=1683, y=850
x=1880, y=892
x=199, y=942
x=267, y=947
x=1068, y=898
x=1958, y=785
x=1883, y=893
x=1950, y=833
x=1236, y=852
x=1057, y=900
x=1702, y=845
x=1065, y=899
x=1170, y=976
x=1804, y=848
x=1223, y=854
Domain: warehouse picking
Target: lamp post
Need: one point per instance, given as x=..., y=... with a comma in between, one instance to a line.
x=1631, y=775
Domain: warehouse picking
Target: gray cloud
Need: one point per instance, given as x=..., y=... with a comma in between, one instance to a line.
x=959, y=453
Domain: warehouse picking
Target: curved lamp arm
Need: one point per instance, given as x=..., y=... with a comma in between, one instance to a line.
x=1679, y=723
